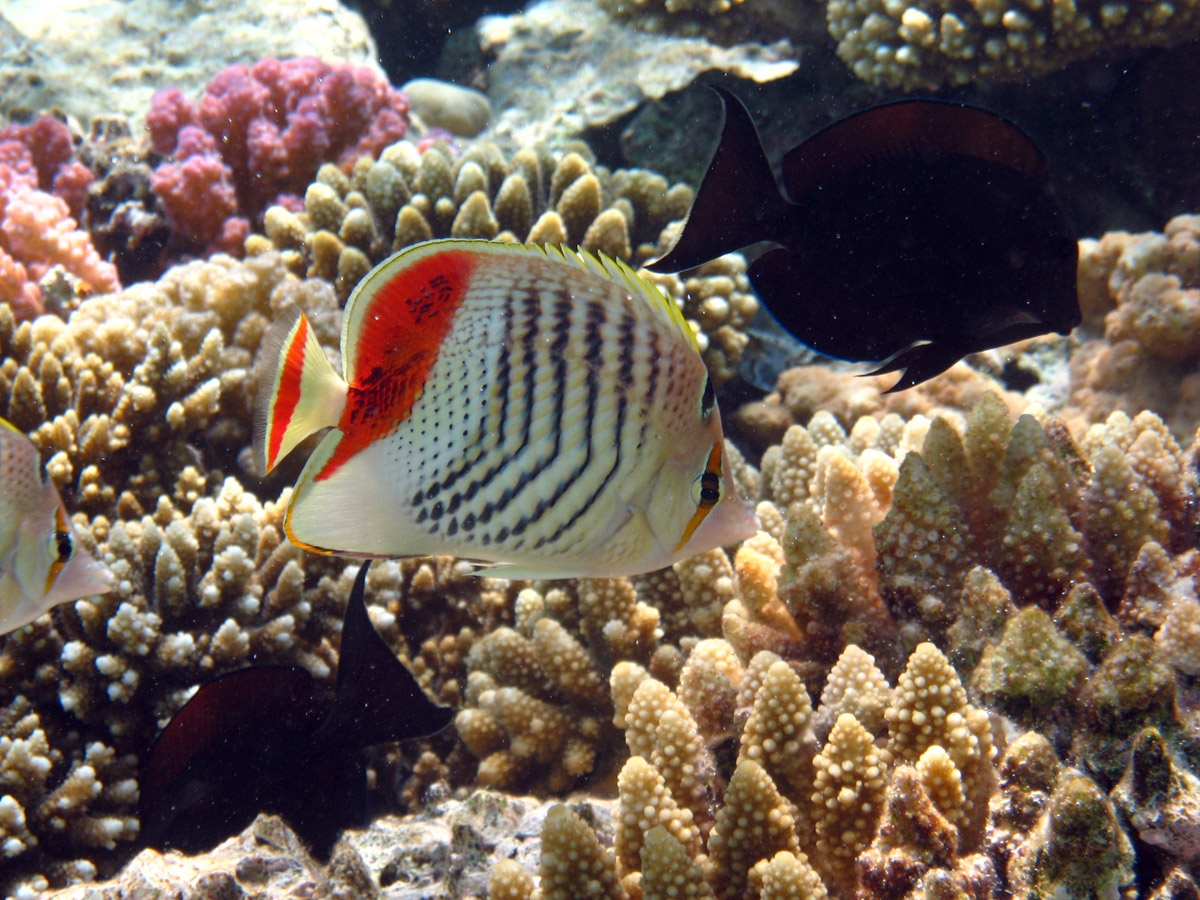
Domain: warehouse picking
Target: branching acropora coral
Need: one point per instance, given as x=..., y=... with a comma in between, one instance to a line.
x=759, y=838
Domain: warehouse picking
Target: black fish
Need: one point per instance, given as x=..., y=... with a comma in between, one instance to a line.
x=914, y=233
x=261, y=740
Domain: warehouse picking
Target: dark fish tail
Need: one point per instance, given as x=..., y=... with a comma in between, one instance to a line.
x=738, y=203
x=377, y=697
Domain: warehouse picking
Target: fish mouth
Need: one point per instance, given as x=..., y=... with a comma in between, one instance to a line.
x=1009, y=320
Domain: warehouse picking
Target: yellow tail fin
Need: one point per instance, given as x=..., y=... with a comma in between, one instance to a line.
x=299, y=393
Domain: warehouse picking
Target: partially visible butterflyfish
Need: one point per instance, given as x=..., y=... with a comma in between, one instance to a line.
x=910, y=234
x=538, y=409
x=268, y=739
x=42, y=563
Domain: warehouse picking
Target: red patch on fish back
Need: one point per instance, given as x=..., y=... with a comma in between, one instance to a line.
x=402, y=328
x=288, y=395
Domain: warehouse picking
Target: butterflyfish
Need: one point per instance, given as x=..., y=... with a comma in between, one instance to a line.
x=42, y=563
x=269, y=739
x=909, y=234
x=543, y=411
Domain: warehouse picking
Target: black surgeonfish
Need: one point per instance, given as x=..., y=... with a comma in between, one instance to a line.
x=261, y=740
x=911, y=233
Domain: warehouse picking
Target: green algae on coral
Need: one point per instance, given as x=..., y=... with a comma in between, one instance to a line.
x=1033, y=672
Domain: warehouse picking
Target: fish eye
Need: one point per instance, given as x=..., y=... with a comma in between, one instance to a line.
x=64, y=545
x=705, y=493
x=706, y=490
x=708, y=399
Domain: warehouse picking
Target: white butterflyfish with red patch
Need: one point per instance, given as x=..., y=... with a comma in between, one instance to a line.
x=42, y=563
x=542, y=411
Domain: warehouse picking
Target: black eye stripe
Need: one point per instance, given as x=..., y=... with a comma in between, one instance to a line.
x=708, y=399
x=710, y=488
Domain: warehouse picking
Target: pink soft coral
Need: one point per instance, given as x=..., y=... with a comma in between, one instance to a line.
x=37, y=231
x=269, y=128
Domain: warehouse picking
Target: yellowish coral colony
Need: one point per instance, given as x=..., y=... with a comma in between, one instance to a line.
x=958, y=659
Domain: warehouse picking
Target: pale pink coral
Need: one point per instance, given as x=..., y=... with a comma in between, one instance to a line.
x=36, y=234
x=258, y=136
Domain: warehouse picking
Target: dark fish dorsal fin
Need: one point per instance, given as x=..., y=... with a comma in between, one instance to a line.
x=377, y=697
x=908, y=128
x=738, y=202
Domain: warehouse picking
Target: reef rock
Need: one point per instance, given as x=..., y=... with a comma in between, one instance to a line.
x=447, y=853
x=603, y=69
x=109, y=56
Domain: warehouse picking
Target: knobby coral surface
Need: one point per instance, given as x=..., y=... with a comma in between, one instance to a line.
x=925, y=45
x=1142, y=292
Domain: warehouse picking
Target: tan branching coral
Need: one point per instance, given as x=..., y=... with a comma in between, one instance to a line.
x=1033, y=671
x=929, y=708
x=574, y=865
x=930, y=44
x=848, y=796
x=646, y=803
x=855, y=686
x=1052, y=570
x=754, y=823
x=669, y=871
x=539, y=693
x=786, y=876
x=709, y=684
x=508, y=880
x=1143, y=292
x=138, y=382
x=1179, y=635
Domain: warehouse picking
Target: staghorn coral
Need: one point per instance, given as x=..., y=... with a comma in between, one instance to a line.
x=928, y=45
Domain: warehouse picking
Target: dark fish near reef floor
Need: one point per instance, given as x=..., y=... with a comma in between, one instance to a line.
x=261, y=740
x=912, y=233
